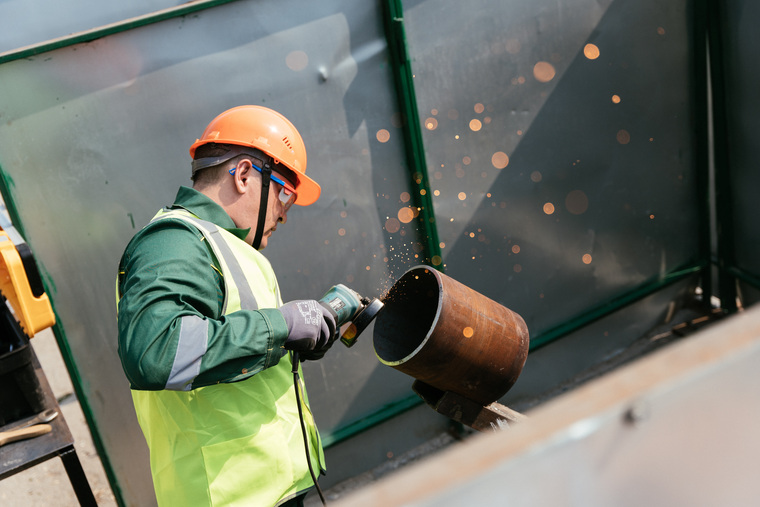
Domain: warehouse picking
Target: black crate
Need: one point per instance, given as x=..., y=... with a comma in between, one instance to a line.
x=20, y=391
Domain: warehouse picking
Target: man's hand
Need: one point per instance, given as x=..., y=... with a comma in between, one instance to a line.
x=310, y=327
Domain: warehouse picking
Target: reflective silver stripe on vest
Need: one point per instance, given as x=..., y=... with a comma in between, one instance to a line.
x=247, y=301
x=211, y=230
x=192, y=344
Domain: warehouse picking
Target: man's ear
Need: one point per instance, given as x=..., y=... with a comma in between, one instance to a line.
x=243, y=175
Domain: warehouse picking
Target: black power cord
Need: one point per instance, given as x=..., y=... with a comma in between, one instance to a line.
x=297, y=385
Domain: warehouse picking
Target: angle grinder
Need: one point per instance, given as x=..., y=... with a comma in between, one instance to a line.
x=348, y=307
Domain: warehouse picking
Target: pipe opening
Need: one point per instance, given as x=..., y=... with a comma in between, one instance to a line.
x=410, y=311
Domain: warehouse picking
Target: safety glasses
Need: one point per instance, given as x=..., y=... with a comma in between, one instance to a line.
x=287, y=197
x=287, y=193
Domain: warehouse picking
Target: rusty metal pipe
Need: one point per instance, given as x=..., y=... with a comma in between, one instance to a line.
x=451, y=337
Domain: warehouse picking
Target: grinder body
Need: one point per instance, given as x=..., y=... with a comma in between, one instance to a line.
x=348, y=307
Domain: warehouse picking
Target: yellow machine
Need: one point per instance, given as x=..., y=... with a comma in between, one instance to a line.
x=24, y=310
x=20, y=282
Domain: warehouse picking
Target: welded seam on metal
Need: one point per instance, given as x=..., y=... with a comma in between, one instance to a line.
x=110, y=29
x=393, y=13
x=616, y=304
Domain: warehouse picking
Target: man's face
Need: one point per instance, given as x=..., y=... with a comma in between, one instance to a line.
x=276, y=215
x=279, y=202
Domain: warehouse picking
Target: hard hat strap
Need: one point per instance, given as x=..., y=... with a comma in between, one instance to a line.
x=232, y=152
x=266, y=174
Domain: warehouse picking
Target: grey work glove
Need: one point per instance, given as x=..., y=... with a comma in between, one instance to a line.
x=319, y=352
x=310, y=326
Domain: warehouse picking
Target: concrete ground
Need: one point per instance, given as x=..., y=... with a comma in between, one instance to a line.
x=47, y=483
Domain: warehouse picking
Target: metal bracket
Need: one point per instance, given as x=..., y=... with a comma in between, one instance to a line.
x=492, y=417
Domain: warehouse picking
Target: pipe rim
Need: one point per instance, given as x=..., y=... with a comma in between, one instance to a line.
x=434, y=323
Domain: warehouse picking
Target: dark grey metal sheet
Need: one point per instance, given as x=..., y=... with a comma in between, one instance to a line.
x=740, y=40
x=559, y=142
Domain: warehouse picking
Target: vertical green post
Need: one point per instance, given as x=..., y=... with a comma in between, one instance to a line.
x=701, y=146
x=415, y=150
x=723, y=198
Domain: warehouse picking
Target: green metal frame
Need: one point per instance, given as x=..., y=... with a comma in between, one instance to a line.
x=701, y=114
x=614, y=305
x=415, y=152
x=734, y=273
x=393, y=17
x=726, y=259
x=103, y=31
x=389, y=411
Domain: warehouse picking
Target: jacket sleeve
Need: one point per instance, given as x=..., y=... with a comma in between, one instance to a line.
x=171, y=331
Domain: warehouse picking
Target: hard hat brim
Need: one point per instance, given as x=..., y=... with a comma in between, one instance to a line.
x=308, y=190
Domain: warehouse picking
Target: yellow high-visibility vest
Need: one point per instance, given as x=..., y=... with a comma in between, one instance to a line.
x=234, y=443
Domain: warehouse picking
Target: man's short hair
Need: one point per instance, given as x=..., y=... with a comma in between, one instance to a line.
x=212, y=174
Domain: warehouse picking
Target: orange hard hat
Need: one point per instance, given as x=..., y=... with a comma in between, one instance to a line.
x=269, y=131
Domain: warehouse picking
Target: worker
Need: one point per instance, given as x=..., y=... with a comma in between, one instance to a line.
x=204, y=339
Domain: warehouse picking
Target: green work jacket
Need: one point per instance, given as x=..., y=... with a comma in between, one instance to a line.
x=201, y=344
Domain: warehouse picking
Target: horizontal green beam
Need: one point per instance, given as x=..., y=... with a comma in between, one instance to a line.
x=383, y=414
x=613, y=305
x=744, y=276
x=110, y=29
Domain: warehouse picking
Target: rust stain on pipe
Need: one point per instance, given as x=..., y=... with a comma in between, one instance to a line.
x=451, y=337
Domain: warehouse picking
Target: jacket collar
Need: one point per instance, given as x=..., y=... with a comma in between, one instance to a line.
x=206, y=209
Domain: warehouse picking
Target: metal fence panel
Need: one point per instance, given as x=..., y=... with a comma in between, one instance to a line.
x=560, y=145
x=559, y=141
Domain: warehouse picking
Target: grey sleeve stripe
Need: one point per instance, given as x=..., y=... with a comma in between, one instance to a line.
x=192, y=344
